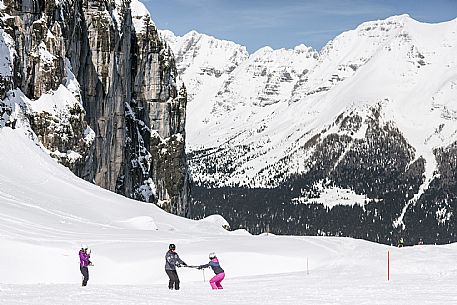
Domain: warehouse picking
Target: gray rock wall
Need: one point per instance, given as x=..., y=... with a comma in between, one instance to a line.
x=129, y=90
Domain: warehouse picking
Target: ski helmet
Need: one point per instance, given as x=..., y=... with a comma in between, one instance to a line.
x=172, y=247
x=212, y=255
x=85, y=247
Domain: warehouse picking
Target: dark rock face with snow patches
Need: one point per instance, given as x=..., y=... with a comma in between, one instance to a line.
x=100, y=90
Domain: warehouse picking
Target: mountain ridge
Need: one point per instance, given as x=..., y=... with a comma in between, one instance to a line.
x=368, y=90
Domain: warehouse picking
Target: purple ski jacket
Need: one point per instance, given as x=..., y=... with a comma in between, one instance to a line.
x=214, y=264
x=84, y=258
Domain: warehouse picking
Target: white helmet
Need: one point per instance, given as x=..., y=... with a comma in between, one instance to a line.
x=84, y=246
x=212, y=255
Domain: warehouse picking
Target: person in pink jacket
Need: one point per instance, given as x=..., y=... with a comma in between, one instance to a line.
x=84, y=262
x=215, y=282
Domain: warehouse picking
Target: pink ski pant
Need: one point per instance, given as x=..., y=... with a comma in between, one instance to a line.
x=216, y=281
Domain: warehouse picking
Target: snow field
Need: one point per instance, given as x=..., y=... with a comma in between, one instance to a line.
x=358, y=285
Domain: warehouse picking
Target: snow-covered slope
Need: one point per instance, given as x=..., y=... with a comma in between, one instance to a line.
x=46, y=213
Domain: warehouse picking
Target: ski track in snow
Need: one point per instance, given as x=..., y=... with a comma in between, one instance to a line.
x=430, y=167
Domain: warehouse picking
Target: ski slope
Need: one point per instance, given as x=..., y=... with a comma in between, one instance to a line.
x=46, y=213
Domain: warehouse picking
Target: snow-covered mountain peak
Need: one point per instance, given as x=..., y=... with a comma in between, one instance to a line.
x=278, y=53
x=396, y=19
x=139, y=9
x=303, y=48
x=200, y=38
x=141, y=17
x=263, y=50
x=203, y=50
x=385, y=25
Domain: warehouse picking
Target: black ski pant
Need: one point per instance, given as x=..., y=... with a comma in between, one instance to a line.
x=174, y=279
x=85, y=273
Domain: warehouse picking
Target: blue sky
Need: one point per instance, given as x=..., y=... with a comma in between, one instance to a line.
x=286, y=23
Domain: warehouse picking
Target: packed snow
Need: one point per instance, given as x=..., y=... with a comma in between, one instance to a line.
x=47, y=213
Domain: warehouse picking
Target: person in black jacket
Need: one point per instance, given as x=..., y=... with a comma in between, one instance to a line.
x=172, y=261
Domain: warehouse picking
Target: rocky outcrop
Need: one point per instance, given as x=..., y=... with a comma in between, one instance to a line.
x=121, y=125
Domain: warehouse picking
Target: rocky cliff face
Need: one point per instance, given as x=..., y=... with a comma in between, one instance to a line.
x=355, y=140
x=101, y=92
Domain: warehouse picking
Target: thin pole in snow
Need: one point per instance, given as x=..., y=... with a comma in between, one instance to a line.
x=388, y=265
x=307, y=266
x=204, y=280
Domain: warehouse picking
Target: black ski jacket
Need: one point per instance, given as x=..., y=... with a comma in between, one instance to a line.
x=172, y=260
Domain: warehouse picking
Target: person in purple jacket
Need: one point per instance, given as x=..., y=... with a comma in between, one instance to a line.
x=84, y=262
x=215, y=282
